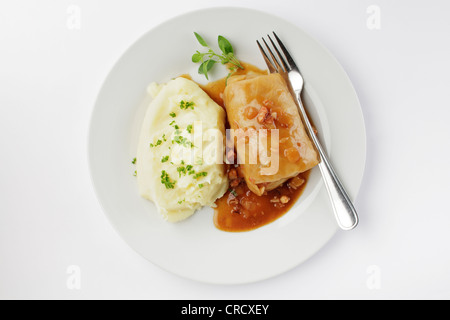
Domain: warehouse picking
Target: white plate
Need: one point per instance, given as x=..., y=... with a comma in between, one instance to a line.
x=194, y=248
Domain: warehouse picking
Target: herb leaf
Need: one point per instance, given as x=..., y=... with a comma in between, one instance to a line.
x=225, y=45
x=196, y=57
x=200, y=39
x=206, y=66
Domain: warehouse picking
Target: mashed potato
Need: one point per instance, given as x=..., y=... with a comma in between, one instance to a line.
x=180, y=150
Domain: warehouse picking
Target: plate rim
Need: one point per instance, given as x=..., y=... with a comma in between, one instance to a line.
x=107, y=79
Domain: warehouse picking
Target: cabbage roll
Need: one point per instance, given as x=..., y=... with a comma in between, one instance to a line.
x=256, y=105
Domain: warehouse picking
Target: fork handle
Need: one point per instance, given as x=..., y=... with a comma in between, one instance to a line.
x=344, y=211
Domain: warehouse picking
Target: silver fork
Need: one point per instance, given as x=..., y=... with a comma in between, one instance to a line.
x=284, y=64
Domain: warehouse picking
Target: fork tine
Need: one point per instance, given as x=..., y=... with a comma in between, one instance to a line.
x=285, y=65
x=285, y=52
x=275, y=62
x=269, y=63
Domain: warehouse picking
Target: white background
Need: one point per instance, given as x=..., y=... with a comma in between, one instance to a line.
x=50, y=218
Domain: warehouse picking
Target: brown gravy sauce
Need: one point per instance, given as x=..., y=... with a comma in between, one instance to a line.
x=239, y=209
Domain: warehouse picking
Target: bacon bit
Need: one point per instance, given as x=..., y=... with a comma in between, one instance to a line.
x=234, y=183
x=284, y=199
x=231, y=156
x=295, y=182
x=264, y=116
x=232, y=174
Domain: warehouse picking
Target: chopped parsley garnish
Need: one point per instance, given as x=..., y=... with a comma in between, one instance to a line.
x=158, y=142
x=135, y=174
x=181, y=201
x=173, y=114
x=165, y=159
x=186, y=104
x=200, y=185
x=134, y=161
x=182, y=141
x=189, y=128
x=165, y=180
x=200, y=174
x=181, y=170
x=185, y=170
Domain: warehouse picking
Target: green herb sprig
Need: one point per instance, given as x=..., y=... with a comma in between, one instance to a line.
x=208, y=59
